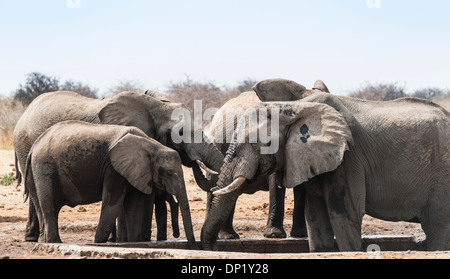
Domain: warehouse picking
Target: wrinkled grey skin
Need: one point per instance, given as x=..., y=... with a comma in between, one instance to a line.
x=75, y=163
x=221, y=131
x=390, y=160
x=148, y=112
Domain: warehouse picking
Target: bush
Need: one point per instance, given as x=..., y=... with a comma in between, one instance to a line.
x=10, y=112
x=7, y=179
x=125, y=85
x=211, y=95
x=38, y=83
x=379, y=92
x=392, y=91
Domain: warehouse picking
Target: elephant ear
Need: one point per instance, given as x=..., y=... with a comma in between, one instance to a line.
x=157, y=96
x=279, y=90
x=130, y=109
x=130, y=158
x=320, y=85
x=316, y=141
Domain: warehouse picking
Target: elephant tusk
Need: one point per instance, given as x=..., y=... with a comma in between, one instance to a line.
x=230, y=188
x=175, y=198
x=203, y=166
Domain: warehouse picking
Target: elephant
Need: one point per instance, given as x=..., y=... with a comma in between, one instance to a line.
x=149, y=112
x=390, y=160
x=220, y=131
x=75, y=162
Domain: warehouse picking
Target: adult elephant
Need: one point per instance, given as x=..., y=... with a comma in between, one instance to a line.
x=75, y=162
x=221, y=131
x=149, y=112
x=390, y=160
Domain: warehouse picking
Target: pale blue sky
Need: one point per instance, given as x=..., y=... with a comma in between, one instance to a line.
x=344, y=43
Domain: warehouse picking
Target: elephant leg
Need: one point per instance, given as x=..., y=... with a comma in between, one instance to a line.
x=274, y=227
x=436, y=225
x=320, y=233
x=139, y=212
x=227, y=231
x=51, y=232
x=111, y=208
x=106, y=223
x=122, y=227
x=298, y=217
x=345, y=199
x=46, y=204
x=49, y=212
x=32, y=228
x=161, y=216
x=113, y=236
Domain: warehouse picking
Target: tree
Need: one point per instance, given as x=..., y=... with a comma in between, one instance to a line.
x=379, y=92
x=35, y=85
x=431, y=93
x=125, y=85
x=38, y=83
x=188, y=91
x=79, y=88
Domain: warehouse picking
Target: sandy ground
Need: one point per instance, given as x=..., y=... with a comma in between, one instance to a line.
x=77, y=225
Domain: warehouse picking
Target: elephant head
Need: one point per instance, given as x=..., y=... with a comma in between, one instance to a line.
x=273, y=90
x=152, y=113
x=313, y=138
x=145, y=164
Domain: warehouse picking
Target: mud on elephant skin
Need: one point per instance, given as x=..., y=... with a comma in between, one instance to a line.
x=75, y=163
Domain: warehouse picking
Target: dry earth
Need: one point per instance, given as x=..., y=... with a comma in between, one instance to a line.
x=77, y=225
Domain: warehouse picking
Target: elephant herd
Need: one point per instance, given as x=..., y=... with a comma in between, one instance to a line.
x=344, y=157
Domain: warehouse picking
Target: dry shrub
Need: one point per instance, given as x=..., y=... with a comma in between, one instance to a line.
x=445, y=104
x=10, y=112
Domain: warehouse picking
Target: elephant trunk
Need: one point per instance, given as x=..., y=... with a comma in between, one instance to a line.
x=186, y=216
x=218, y=212
x=174, y=216
x=208, y=154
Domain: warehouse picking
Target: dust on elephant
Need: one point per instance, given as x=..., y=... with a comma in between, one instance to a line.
x=390, y=160
x=149, y=112
x=75, y=163
x=221, y=130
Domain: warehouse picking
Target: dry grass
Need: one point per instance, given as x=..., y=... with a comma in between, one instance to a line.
x=10, y=112
x=445, y=104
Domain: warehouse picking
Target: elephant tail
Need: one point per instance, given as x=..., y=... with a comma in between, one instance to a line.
x=28, y=178
x=18, y=173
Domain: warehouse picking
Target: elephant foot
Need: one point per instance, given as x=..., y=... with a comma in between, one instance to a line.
x=32, y=236
x=274, y=232
x=228, y=235
x=299, y=232
x=29, y=238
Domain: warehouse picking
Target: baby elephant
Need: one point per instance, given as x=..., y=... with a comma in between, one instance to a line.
x=75, y=163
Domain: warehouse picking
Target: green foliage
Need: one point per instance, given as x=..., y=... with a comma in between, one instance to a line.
x=7, y=179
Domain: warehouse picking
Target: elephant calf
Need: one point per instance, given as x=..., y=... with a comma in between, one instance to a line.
x=75, y=163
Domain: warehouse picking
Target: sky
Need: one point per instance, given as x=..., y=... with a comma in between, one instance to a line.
x=345, y=43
